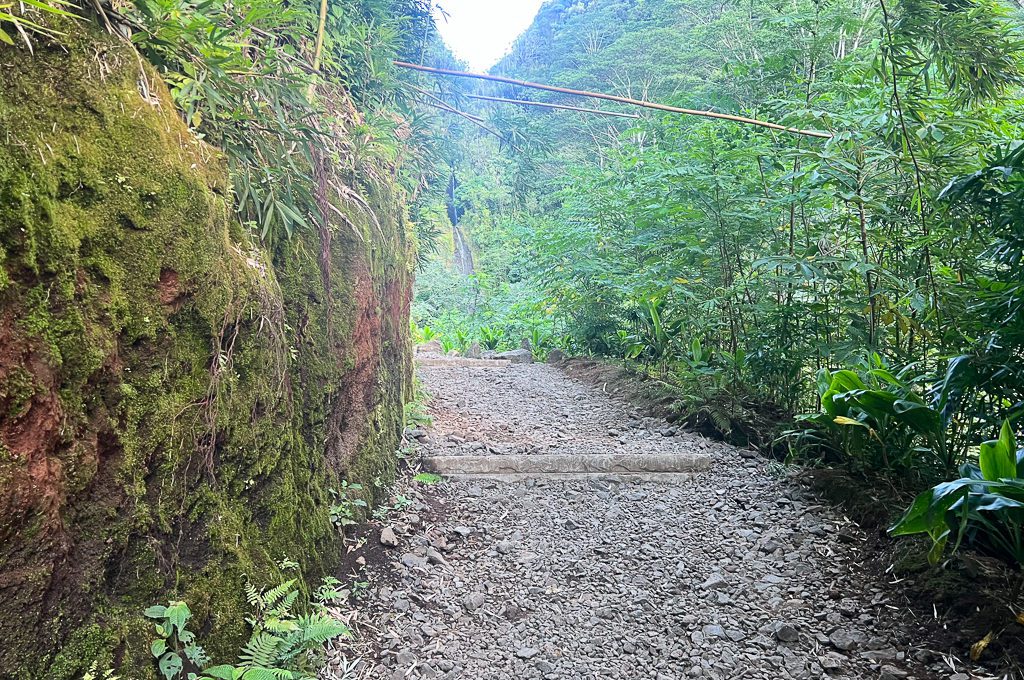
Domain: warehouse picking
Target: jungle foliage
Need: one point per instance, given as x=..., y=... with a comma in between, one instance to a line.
x=862, y=293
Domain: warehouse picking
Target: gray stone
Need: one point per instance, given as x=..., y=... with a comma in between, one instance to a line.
x=892, y=673
x=473, y=601
x=412, y=560
x=388, y=538
x=526, y=652
x=516, y=356
x=714, y=582
x=713, y=630
x=847, y=639
x=785, y=633
x=474, y=351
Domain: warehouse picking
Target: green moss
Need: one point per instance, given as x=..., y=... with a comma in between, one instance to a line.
x=202, y=421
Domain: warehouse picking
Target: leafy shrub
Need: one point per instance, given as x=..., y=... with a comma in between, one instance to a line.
x=874, y=420
x=422, y=334
x=491, y=337
x=345, y=508
x=984, y=509
x=284, y=644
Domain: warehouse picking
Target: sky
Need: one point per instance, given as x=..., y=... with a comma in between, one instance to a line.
x=480, y=31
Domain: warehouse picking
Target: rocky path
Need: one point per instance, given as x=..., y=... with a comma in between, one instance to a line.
x=734, y=574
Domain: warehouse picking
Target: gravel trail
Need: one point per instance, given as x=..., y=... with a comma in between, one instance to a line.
x=734, y=574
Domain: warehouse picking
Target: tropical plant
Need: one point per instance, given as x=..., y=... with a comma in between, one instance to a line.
x=424, y=334
x=874, y=420
x=347, y=504
x=983, y=510
x=491, y=336
x=284, y=644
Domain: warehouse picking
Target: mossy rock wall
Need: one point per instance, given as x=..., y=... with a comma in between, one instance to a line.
x=176, y=401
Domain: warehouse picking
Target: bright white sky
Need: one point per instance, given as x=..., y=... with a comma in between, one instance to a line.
x=480, y=31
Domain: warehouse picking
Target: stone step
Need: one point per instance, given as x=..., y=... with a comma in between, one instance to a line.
x=666, y=467
x=461, y=362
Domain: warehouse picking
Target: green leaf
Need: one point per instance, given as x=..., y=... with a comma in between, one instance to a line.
x=846, y=381
x=919, y=417
x=155, y=612
x=170, y=665
x=996, y=461
x=224, y=672
x=1006, y=438
x=158, y=647
x=177, y=614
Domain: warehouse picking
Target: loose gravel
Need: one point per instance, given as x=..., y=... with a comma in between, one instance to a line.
x=737, y=573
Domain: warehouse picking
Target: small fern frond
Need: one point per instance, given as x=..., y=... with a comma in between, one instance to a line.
x=262, y=650
x=252, y=595
x=273, y=596
x=287, y=603
x=319, y=628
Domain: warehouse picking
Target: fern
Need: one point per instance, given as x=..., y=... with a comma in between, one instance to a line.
x=318, y=629
x=261, y=650
x=252, y=595
x=273, y=596
x=286, y=604
x=265, y=674
x=283, y=646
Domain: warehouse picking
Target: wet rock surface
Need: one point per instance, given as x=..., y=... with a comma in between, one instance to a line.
x=735, y=574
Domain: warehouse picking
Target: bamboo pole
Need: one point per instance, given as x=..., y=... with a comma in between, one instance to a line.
x=440, y=104
x=320, y=30
x=613, y=98
x=523, y=102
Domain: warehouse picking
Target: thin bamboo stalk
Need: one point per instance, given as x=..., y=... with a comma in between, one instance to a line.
x=441, y=105
x=523, y=102
x=613, y=98
x=320, y=30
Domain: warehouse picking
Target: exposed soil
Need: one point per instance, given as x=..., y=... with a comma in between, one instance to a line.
x=740, y=573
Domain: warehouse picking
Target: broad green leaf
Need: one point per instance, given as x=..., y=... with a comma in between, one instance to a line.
x=1006, y=438
x=170, y=665
x=177, y=614
x=996, y=462
x=158, y=647
x=155, y=612
x=922, y=419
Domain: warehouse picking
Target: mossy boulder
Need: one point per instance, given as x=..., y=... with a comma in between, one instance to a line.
x=176, y=400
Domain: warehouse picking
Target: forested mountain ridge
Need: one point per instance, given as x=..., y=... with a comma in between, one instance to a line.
x=635, y=49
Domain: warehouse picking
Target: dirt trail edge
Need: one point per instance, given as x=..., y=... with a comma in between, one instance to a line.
x=731, y=573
